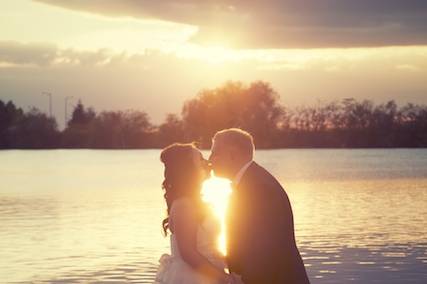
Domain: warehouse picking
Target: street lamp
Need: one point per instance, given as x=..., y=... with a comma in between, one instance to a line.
x=66, y=114
x=50, y=102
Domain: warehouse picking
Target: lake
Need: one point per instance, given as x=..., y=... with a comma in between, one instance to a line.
x=79, y=216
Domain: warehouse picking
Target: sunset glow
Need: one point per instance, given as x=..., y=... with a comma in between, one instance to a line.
x=101, y=102
x=135, y=47
x=216, y=192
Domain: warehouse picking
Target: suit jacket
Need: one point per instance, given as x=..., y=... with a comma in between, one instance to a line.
x=260, y=232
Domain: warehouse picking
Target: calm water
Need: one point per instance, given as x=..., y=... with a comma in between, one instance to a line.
x=79, y=216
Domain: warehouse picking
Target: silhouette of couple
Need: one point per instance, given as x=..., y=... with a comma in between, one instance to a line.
x=261, y=245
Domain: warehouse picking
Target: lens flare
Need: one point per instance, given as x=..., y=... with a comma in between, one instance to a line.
x=216, y=192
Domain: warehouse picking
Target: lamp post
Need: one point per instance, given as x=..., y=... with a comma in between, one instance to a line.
x=66, y=114
x=50, y=102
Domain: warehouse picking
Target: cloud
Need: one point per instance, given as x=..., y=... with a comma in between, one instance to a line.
x=160, y=82
x=14, y=53
x=280, y=23
x=408, y=67
x=27, y=54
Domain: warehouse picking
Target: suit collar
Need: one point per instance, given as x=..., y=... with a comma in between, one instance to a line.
x=245, y=177
x=241, y=172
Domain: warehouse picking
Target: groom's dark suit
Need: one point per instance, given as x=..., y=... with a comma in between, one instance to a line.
x=260, y=231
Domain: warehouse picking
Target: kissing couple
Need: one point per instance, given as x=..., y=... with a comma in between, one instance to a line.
x=261, y=247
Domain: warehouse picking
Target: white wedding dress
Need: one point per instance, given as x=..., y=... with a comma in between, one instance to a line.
x=173, y=269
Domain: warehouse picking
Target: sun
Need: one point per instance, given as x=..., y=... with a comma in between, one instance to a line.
x=216, y=192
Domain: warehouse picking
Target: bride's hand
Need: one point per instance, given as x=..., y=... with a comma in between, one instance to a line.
x=226, y=279
x=230, y=279
x=234, y=279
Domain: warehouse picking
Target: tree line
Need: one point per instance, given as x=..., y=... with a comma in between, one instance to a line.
x=348, y=123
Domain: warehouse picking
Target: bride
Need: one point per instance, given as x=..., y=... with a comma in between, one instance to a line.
x=194, y=256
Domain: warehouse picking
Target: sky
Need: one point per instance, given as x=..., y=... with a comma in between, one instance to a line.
x=155, y=55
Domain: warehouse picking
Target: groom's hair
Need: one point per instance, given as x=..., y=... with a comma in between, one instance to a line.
x=236, y=138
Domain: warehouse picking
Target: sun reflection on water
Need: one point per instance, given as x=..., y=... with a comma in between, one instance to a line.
x=216, y=192
x=97, y=217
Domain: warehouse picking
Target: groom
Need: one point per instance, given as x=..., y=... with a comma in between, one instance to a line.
x=260, y=230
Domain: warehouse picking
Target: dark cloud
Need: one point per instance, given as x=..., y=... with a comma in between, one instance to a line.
x=281, y=23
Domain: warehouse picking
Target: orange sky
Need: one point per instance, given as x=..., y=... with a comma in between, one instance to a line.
x=154, y=55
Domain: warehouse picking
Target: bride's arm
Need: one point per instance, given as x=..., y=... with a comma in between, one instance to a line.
x=185, y=230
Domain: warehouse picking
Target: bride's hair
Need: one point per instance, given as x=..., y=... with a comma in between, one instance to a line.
x=181, y=177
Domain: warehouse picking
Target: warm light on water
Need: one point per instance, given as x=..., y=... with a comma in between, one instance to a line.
x=216, y=192
x=94, y=216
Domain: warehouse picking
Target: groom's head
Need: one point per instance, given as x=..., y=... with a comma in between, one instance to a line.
x=231, y=150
